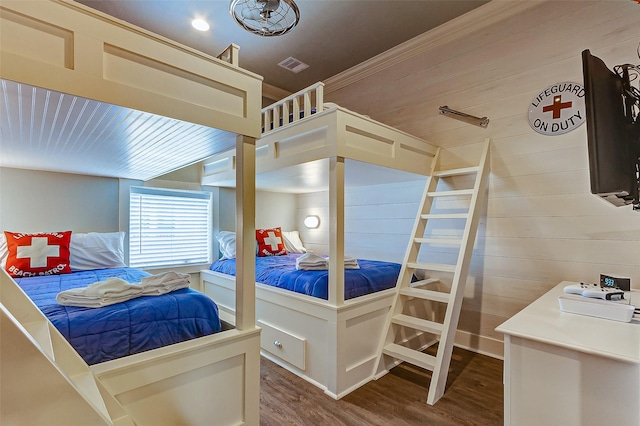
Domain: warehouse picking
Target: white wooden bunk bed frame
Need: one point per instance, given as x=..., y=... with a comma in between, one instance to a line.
x=331, y=343
x=63, y=46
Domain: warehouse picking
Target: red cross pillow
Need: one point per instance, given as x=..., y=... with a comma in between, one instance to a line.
x=270, y=242
x=43, y=253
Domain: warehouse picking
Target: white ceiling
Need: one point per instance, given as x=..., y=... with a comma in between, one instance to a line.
x=45, y=130
x=332, y=36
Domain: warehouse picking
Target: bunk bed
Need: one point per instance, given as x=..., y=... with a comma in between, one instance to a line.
x=105, y=309
x=66, y=47
x=330, y=341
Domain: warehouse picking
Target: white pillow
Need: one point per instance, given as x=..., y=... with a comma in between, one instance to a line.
x=96, y=250
x=292, y=242
x=227, y=242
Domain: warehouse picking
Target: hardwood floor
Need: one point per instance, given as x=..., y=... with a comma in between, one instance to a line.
x=474, y=396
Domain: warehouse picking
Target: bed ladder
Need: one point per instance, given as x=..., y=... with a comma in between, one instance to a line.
x=416, y=320
x=49, y=382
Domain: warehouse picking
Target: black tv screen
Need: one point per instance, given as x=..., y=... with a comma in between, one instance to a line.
x=610, y=145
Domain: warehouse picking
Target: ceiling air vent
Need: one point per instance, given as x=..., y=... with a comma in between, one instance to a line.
x=294, y=65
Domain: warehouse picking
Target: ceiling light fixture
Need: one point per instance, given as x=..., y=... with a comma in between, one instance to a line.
x=200, y=24
x=265, y=17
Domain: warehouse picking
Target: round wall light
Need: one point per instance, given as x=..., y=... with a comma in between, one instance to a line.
x=312, y=221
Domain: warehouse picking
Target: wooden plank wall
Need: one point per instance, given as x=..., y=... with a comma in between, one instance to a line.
x=542, y=225
x=378, y=219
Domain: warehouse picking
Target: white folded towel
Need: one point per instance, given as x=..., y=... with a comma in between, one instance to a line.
x=101, y=293
x=311, y=262
x=349, y=262
x=116, y=290
x=166, y=282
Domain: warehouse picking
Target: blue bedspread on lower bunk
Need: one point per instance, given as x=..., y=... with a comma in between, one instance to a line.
x=134, y=326
x=280, y=271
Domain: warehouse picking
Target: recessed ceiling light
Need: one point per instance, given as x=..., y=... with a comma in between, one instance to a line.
x=200, y=24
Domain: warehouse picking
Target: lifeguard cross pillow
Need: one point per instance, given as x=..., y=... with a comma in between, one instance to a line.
x=42, y=253
x=270, y=242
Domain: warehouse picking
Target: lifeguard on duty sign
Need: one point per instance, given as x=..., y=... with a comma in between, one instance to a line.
x=558, y=109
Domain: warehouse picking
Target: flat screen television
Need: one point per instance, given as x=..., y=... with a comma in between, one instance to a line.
x=613, y=132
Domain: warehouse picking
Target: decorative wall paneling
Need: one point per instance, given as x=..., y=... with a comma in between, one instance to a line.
x=489, y=60
x=378, y=220
x=542, y=225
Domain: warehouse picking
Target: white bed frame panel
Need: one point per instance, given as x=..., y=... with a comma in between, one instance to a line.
x=63, y=46
x=333, y=347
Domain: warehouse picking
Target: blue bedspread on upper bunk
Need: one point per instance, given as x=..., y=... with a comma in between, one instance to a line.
x=280, y=271
x=114, y=331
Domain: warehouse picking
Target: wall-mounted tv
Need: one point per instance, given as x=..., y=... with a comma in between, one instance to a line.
x=613, y=131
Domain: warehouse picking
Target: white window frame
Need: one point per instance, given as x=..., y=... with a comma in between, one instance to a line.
x=169, y=227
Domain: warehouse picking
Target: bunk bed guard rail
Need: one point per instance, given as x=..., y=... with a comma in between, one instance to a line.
x=293, y=108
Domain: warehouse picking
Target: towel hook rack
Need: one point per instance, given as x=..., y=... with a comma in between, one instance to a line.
x=477, y=121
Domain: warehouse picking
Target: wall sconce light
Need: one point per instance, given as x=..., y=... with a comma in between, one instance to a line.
x=312, y=222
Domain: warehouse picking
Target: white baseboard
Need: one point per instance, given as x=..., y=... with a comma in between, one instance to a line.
x=480, y=344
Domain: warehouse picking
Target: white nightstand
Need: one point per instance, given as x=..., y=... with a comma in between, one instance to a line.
x=567, y=369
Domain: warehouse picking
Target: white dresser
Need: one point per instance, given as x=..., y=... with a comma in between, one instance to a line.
x=566, y=369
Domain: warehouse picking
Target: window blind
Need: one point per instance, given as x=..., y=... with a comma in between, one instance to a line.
x=169, y=227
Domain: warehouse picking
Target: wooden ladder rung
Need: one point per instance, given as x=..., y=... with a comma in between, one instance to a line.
x=445, y=216
x=454, y=193
x=457, y=172
x=422, y=283
x=442, y=267
x=418, y=323
x=436, y=296
x=450, y=241
x=411, y=356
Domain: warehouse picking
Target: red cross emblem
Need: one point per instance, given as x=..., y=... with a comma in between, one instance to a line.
x=557, y=106
x=38, y=252
x=272, y=240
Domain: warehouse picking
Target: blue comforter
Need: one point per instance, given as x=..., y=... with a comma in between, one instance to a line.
x=280, y=271
x=137, y=325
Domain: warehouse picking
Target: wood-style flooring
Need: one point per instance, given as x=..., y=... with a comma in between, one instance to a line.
x=474, y=396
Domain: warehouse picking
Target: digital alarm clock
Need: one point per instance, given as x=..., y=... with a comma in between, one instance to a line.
x=611, y=281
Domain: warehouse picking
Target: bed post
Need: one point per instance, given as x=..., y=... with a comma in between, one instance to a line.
x=337, y=331
x=245, y=230
x=336, y=230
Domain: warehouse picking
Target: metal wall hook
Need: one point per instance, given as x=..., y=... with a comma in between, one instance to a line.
x=477, y=121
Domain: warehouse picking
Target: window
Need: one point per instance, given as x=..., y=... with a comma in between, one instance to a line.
x=169, y=227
